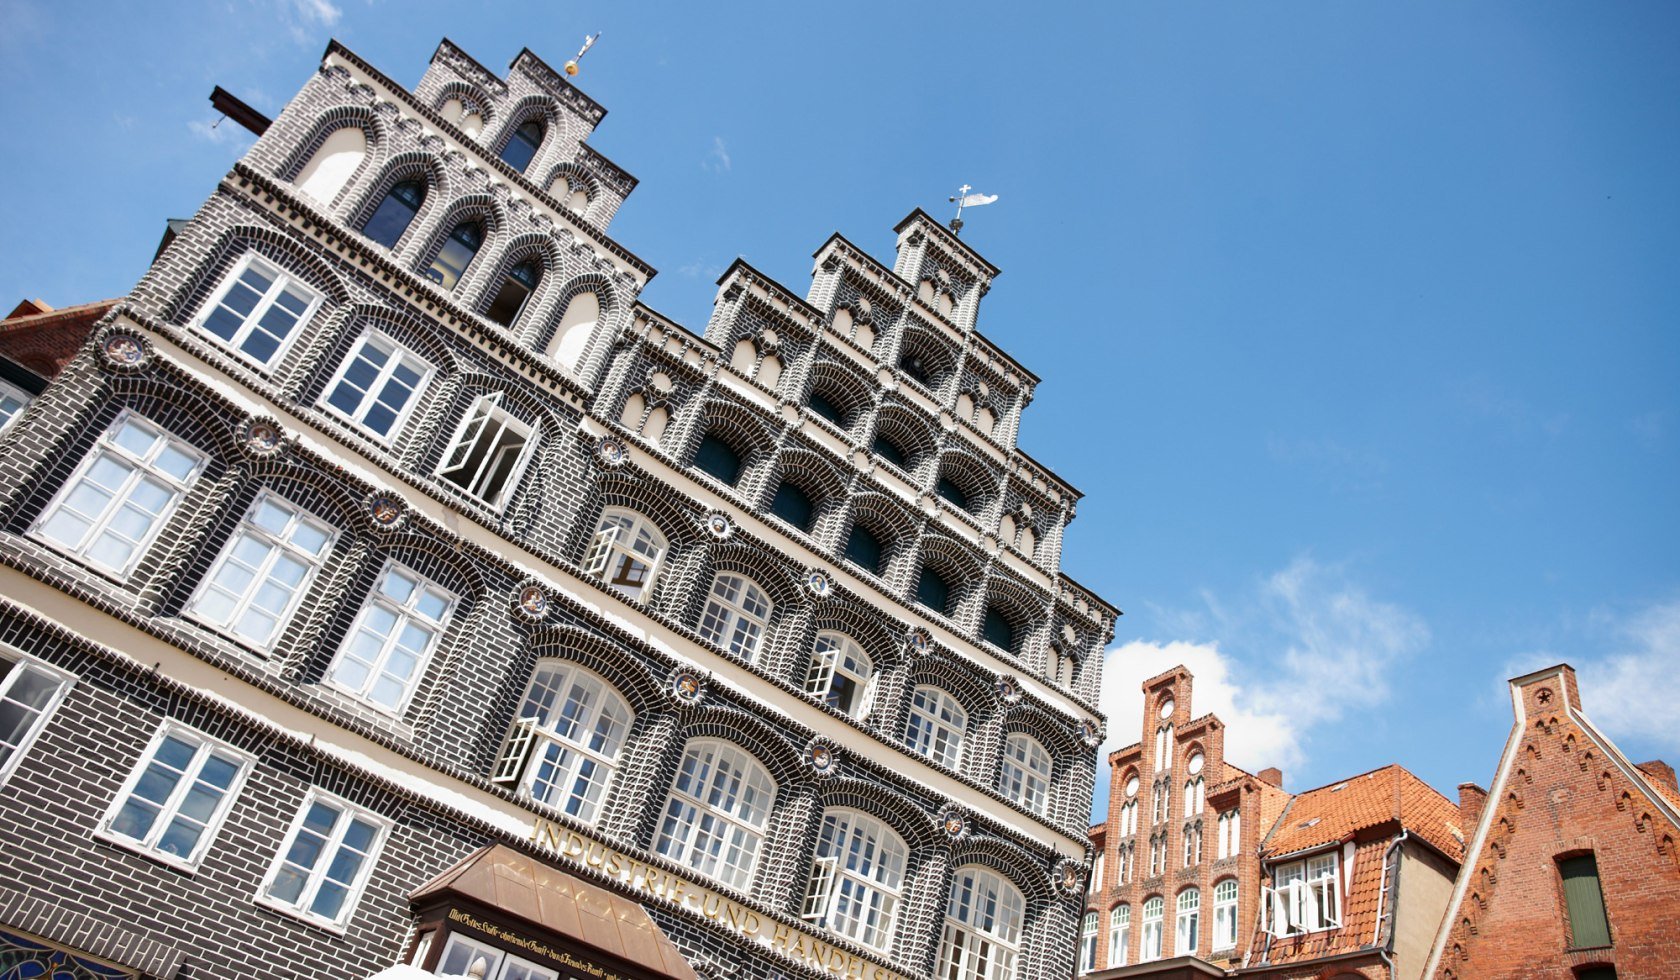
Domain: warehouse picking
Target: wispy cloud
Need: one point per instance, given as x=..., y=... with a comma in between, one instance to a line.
x=700, y=269
x=1301, y=632
x=1634, y=690
x=1516, y=414
x=306, y=19
x=717, y=161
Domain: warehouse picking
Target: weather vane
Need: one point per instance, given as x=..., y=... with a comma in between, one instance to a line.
x=588, y=42
x=966, y=200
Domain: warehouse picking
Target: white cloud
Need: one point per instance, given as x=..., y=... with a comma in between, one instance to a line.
x=306, y=20
x=321, y=12
x=1634, y=692
x=1301, y=632
x=717, y=161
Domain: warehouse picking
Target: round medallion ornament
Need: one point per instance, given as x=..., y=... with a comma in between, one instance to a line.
x=718, y=525
x=953, y=820
x=386, y=510
x=1008, y=691
x=1543, y=696
x=818, y=584
x=531, y=602
x=821, y=756
x=261, y=437
x=611, y=453
x=1090, y=733
x=688, y=685
x=124, y=351
x=919, y=640
x=1069, y=876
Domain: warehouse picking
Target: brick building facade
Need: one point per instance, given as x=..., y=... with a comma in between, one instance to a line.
x=382, y=579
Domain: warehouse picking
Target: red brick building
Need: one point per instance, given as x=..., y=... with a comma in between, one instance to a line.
x=1574, y=871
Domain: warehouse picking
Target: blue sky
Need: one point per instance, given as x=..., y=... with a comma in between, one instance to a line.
x=1356, y=321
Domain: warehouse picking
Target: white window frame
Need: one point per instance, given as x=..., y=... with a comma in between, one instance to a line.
x=984, y=917
x=616, y=544
x=1095, y=885
x=1305, y=896
x=405, y=612
x=1154, y=925
x=687, y=816
x=1195, y=798
x=11, y=392
x=1126, y=859
x=836, y=653
x=1119, y=934
x=728, y=623
x=282, y=280
x=493, y=414
x=1192, y=844
x=399, y=354
x=1225, y=902
x=1187, y=922
x=280, y=544
x=141, y=469
x=1230, y=833
x=1025, y=772
x=536, y=750
x=347, y=812
x=203, y=748
x=497, y=960
x=21, y=663
x=937, y=726
x=1088, y=926
x=857, y=878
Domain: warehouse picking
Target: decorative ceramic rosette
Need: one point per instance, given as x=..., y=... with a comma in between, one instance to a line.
x=124, y=350
x=610, y=452
x=1008, y=689
x=261, y=437
x=531, y=602
x=953, y=820
x=718, y=525
x=919, y=641
x=1090, y=733
x=818, y=583
x=1069, y=876
x=386, y=510
x=821, y=757
x=687, y=686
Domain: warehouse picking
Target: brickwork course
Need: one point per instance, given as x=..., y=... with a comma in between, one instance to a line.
x=612, y=404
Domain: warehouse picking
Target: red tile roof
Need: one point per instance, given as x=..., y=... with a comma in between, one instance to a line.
x=1360, y=909
x=1339, y=812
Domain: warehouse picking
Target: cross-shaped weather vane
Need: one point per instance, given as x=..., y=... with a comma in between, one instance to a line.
x=966, y=200
x=588, y=42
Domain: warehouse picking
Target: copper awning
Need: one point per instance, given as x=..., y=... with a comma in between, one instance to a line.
x=521, y=886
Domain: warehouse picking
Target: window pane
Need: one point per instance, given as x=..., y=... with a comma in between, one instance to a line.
x=717, y=458
x=863, y=548
x=793, y=505
x=933, y=591
x=395, y=213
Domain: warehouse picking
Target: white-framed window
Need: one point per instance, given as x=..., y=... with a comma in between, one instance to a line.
x=1154, y=914
x=982, y=936
x=857, y=878
x=1096, y=883
x=13, y=400
x=565, y=746
x=1129, y=809
x=1225, y=915
x=1088, y=942
x=1188, y=935
x=29, y=693
x=377, y=386
x=1192, y=844
x=841, y=674
x=1158, y=854
x=386, y=651
x=112, y=508
x=936, y=727
x=463, y=957
x=1159, y=801
x=172, y=805
x=1195, y=798
x=1305, y=896
x=625, y=553
x=258, y=311
x=737, y=612
x=1025, y=776
x=325, y=860
x=489, y=451
x=1125, y=859
x=1230, y=834
x=1119, y=934
x=717, y=812
x=264, y=570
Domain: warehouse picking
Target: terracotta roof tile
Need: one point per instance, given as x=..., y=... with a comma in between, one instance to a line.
x=1336, y=813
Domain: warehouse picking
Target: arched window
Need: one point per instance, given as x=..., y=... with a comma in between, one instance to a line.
x=718, y=459
x=1088, y=942
x=716, y=814
x=933, y=591
x=1129, y=809
x=1163, y=747
x=395, y=213
x=1154, y=913
x=565, y=745
x=983, y=921
x=1188, y=934
x=1230, y=834
x=456, y=254
x=793, y=505
x=1119, y=934
x=1225, y=915
x=916, y=366
x=463, y=114
x=840, y=674
x=951, y=491
x=890, y=451
x=863, y=549
x=521, y=148
x=1025, y=777
x=516, y=288
x=822, y=405
x=997, y=630
x=736, y=615
x=333, y=164
x=856, y=878
x=625, y=553
x=577, y=325
x=937, y=724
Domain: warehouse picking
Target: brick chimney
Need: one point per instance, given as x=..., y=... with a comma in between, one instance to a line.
x=1660, y=773
x=1470, y=800
x=1272, y=776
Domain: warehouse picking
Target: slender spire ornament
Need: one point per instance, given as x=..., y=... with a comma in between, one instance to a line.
x=588, y=42
x=966, y=200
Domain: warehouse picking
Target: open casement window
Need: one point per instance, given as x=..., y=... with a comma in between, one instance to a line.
x=378, y=385
x=516, y=288
x=626, y=553
x=565, y=747
x=175, y=800
x=819, y=894
x=264, y=571
x=857, y=878
x=982, y=935
x=463, y=957
x=109, y=512
x=1305, y=897
x=841, y=675
x=489, y=451
x=258, y=311
x=324, y=863
x=29, y=692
